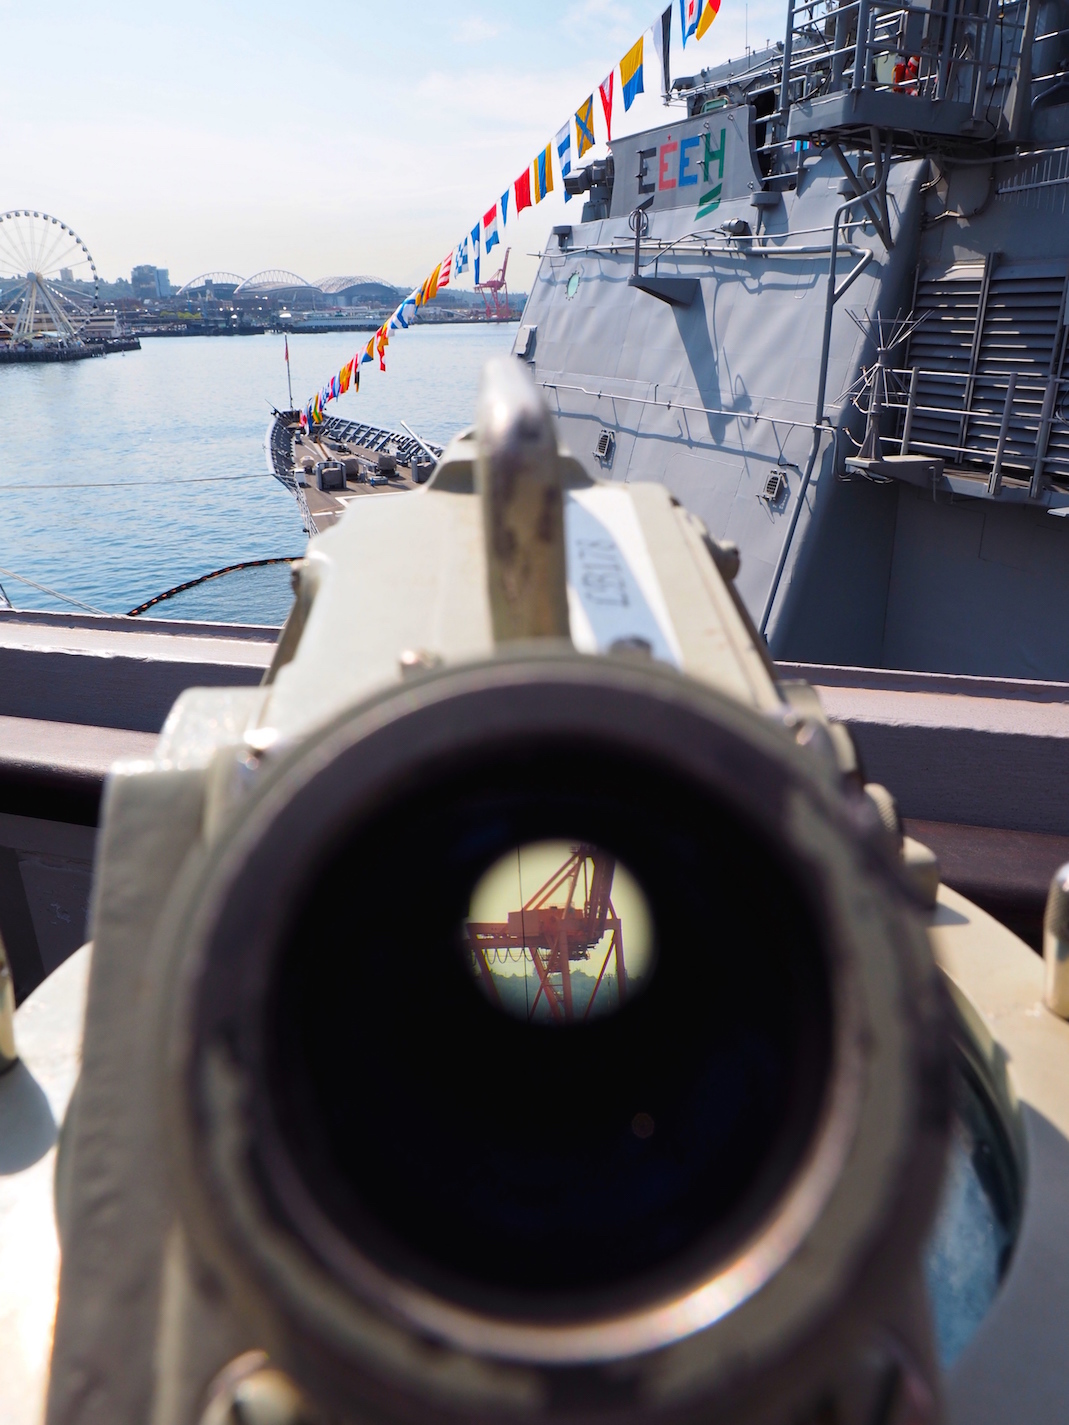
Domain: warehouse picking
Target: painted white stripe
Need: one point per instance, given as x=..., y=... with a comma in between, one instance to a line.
x=613, y=591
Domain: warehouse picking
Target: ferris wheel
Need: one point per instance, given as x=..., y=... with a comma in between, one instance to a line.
x=49, y=288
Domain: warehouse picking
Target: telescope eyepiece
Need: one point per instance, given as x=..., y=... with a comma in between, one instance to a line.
x=547, y=1010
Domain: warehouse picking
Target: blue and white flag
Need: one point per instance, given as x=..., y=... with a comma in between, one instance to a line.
x=397, y=321
x=460, y=258
x=504, y=207
x=690, y=14
x=563, y=142
x=475, y=248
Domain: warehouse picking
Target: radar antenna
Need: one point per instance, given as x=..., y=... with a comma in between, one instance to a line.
x=881, y=386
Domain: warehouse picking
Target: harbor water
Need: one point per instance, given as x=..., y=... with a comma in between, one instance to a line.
x=124, y=476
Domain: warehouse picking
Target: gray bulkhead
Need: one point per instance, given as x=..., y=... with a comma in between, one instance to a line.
x=715, y=396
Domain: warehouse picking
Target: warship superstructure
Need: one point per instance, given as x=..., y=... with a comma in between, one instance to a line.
x=825, y=304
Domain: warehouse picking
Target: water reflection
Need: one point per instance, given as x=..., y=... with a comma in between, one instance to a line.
x=974, y=1232
x=559, y=932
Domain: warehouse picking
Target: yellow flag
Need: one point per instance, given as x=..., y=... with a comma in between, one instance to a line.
x=429, y=289
x=710, y=10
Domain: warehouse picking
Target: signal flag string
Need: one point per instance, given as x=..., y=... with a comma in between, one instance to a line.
x=534, y=184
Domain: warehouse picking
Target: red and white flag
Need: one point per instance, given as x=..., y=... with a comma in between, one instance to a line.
x=490, y=237
x=605, y=90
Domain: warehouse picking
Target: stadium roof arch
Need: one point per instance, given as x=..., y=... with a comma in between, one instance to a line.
x=275, y=279
x=332, y=285
x=211, y=279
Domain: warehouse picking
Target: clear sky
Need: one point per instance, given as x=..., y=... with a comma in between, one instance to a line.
x=342, y=138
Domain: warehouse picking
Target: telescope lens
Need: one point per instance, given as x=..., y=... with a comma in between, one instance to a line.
x=397, y=1122
x=559, y=932
x=541, y=1160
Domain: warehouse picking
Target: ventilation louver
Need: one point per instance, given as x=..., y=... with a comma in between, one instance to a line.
x=982, y=321
x=605, y=448
x=775, y=488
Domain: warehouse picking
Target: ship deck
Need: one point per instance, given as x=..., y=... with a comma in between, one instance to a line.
x=328, y=506
x=293, y=455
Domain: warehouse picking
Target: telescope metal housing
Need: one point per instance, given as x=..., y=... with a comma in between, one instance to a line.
x=243, y=985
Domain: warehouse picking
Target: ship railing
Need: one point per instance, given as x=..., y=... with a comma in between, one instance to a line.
x=1048, y=169
x=713, y=242
x=376, y=438
x=966, y=51
x=1049, y=48
x=282, y=465
x=310, y=527
x=1014, y=425
x=292, y=478
x=743, y=416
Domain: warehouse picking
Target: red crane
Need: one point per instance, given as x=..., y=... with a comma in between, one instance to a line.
x=554, y=936
x=497, y=307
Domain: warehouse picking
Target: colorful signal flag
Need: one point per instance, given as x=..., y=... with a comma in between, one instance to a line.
x=709, y=11
x=543, y=173
x=605, y=90
x=662, y=43
x=429, y=290
x=563, y=142
x=490, y=237
x=631, y=73
x=522, y=189
x=690, y=13
x=584, y=126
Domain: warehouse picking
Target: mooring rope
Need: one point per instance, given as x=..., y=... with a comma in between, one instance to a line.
x=53, y=593
x=204, y=578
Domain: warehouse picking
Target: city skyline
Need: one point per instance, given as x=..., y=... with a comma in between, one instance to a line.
x=227, y=140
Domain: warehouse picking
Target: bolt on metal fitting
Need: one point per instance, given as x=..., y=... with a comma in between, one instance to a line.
x=258, y=1396
x=1056, y=944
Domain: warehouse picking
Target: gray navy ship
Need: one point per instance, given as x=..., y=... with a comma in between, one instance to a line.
x=826, y=306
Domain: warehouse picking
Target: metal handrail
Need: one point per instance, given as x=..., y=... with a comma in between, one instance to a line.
x=964, y=48
x=712, y=241
x=310, y=527
x=1039, y=426
x=989, y=378
x=741, y=416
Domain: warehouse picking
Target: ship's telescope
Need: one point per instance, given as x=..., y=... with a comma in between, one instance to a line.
x=692, y=1179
